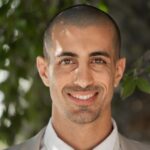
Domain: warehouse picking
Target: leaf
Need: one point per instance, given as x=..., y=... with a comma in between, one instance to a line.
x=143, y=85
x=102, y=6
x=128, y=87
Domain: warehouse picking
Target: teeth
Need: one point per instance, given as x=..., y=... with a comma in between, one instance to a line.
x=83, y=97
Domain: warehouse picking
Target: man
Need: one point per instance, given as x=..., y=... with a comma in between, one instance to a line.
x=82, y=67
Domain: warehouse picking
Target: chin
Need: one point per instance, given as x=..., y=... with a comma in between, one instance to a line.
x=83, y=116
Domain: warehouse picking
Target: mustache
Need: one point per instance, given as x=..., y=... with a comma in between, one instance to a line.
x=78, y=88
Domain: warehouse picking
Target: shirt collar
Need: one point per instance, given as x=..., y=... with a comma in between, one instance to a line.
x=53, y=142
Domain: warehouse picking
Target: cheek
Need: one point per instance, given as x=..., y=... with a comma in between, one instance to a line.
x=106, y=77
x=55, y=89
x=58, y=78
x=106, y=81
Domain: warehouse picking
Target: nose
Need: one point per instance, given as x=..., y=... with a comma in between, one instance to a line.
x=83, y=76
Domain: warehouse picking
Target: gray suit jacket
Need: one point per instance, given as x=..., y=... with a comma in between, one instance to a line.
x=34, y=143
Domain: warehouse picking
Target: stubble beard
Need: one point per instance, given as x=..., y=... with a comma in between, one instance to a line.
x=83, y=115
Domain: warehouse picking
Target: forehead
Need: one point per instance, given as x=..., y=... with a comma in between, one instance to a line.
x=93, y=37
x=62, y=29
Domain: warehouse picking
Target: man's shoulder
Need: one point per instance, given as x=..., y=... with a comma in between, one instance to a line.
x=128, y=144
x=30, y=144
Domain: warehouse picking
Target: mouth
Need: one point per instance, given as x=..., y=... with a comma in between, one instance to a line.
x=83, y=98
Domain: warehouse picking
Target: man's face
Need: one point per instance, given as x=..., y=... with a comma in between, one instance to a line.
x=82, y=72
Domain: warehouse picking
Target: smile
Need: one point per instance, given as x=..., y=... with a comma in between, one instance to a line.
x=82, y=97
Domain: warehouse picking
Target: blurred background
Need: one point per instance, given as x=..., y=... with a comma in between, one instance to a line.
x=25, y=105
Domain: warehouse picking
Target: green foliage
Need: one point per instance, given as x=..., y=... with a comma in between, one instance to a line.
x=133, y=81
x=143, y=85
x=22, y=24
x=103, y=6
x=128, y=86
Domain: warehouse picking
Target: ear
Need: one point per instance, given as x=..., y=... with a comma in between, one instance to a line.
x=42, y=67
x=120, y=67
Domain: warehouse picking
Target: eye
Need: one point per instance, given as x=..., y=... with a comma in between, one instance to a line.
x=66, y=61
x=98, y=61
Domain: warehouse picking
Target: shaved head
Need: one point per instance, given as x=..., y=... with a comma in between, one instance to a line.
x=82, y=16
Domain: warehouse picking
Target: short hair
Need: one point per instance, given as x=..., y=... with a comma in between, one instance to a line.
x=81, y=16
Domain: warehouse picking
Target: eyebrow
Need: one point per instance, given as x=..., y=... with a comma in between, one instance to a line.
x=101, y=53
x=67, y=54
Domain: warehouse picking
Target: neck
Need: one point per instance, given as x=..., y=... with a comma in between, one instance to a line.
x=83, y=136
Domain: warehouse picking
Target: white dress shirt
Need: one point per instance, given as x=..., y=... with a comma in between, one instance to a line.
x=52, y=142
